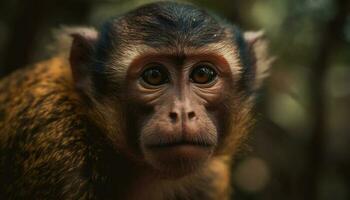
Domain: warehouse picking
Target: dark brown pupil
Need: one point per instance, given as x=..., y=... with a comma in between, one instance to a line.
x=154, y=76
x=203, y=74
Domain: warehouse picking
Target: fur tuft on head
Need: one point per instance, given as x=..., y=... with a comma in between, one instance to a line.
x=63, y=38
x=258, y=47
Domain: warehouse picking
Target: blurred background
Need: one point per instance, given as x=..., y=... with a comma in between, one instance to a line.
x=300, y=147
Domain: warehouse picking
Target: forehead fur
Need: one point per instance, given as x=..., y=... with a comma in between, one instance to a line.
x=163, y=24
x=170, y=24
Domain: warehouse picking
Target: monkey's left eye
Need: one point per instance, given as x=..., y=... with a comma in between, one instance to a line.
x=203, y=74
x=155, y=76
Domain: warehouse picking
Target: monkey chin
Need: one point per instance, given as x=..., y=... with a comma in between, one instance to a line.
x=176, y=161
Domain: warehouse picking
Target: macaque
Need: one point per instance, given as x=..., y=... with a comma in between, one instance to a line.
x=152, y=105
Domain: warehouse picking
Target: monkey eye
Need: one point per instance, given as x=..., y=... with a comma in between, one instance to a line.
x=203, y=73
x=155, y=76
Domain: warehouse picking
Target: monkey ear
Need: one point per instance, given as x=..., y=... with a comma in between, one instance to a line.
x=81, y=52
x=258, y=48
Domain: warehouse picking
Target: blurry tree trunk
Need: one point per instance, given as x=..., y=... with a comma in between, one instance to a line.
x=319, y=67
x=31, y=17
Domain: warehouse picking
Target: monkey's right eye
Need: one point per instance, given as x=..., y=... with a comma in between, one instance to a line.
x=155, y=76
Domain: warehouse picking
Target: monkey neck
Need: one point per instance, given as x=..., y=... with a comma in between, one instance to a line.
x=207, y=183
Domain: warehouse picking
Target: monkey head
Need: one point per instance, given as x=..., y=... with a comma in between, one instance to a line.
x=169, y=84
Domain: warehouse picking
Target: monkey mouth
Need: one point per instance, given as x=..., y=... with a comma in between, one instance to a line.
x=178, y=151
x=180, y=143
x=174, y=151
x=178, y=156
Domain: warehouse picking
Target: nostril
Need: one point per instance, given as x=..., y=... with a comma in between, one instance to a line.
x=191, y=115
x=173, y=116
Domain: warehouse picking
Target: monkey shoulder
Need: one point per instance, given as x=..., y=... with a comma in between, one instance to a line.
x=39, y=98
x=42, y=132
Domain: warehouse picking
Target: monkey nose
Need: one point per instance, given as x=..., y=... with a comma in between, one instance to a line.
x=176, y=116
x=191, y=115
x=173, y=117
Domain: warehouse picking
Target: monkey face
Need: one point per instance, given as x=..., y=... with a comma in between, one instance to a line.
x=177, y=104
x=169, y=84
